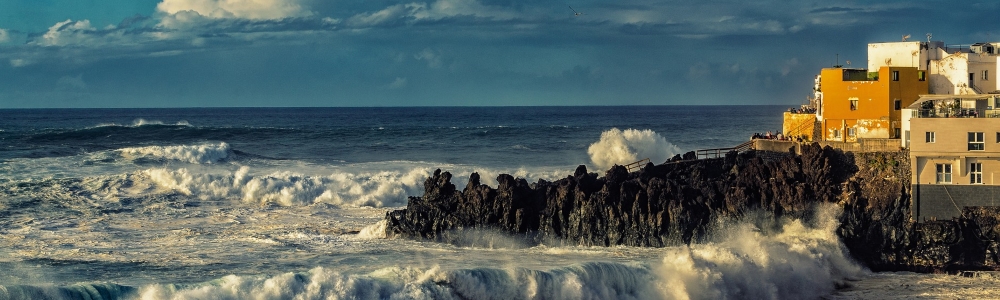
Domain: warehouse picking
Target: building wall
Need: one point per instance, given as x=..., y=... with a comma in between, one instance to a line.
x=799, y=125
x=950, y=75
x=904, y=116
x=897, y=54
x=951, y=146
x=983, y=63
x=925, y=169
x=875, y=116
x=904, y=54
x=944, y=202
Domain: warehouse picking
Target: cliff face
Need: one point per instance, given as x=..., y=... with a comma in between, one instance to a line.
x=676, y=202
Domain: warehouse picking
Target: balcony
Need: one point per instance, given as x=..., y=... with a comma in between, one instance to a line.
x=956, y=113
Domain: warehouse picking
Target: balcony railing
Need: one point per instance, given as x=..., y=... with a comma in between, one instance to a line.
x=956, y=113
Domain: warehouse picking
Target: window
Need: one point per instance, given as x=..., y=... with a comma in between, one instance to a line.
x=850, y=131
x=976, y=173
x=943, y=173
x=895, y=75
x=986, y=74
x=897, y=104
x=854, y=104
x=895, y=133
x=998, y=137
x=921, y=75
x=836, y=133
x=976, y=141
x=930, y=136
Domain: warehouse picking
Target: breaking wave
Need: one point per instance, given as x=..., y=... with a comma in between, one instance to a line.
x=78, y=291
x=356, y=187
x=798, y=260
x=374, y=185
x=143, y=122
x=619, y=147
x=195, y=154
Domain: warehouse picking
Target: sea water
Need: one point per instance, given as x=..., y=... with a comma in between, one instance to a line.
x=288, y=203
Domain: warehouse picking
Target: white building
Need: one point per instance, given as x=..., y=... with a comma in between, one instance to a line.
x=952, y=69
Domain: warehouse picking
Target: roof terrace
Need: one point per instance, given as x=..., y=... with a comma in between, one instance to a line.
x=957, y=106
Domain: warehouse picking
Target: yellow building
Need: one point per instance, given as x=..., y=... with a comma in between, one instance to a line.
x=799, y=125
x=861, y=104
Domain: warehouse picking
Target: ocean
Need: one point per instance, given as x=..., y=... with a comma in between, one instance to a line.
x=288, y=203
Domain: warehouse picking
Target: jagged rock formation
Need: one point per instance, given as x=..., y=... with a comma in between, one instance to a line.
x=676, y=203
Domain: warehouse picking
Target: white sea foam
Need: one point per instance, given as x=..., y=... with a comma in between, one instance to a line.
x=142, y=122
x=583, y=281
x=799, y=261
x=375, y=231
x=110, y=174
x=625, y=146
x=348, y=186
x=379, y=188
x=195, y=154
x=802, y=261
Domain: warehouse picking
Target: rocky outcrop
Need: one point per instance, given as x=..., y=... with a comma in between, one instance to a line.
x=677, y=202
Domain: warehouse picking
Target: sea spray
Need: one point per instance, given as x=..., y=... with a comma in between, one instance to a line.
x=799, y=261
x=619, y=147
x=376, y=231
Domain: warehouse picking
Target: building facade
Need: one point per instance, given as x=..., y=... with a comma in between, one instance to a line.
x=951, y=69
x=954, y=154
x=857, y=103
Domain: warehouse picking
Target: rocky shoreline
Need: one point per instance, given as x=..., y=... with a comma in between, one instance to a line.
x=677, y=202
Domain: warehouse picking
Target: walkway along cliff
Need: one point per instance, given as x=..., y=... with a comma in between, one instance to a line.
x=677, y=203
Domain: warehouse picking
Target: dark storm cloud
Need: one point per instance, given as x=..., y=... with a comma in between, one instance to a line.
x=463, y=52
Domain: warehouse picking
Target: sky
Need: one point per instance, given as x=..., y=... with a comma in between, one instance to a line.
x=319, y=53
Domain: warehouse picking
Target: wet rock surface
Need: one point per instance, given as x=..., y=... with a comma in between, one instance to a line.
x=678, y=202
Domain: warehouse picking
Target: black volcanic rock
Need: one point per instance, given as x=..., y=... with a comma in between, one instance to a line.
x=675, y=203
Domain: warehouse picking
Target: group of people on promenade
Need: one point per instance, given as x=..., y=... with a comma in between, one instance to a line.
x=769, y=136
x=804, y=110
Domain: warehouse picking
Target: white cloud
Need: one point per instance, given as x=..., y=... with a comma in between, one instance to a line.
x=448, y=8
x=66, y=33
x=437, y=10
x=433, y=59
x=387, y=15
x=19, y=62
x=243, y=9
x=4, y=36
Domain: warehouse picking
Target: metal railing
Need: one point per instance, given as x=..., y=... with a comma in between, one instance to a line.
x=865, y=145
x=720, y=152
x=632, y=167
x=956, y=113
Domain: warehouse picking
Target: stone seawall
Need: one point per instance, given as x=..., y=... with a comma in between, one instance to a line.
x=677, y=202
